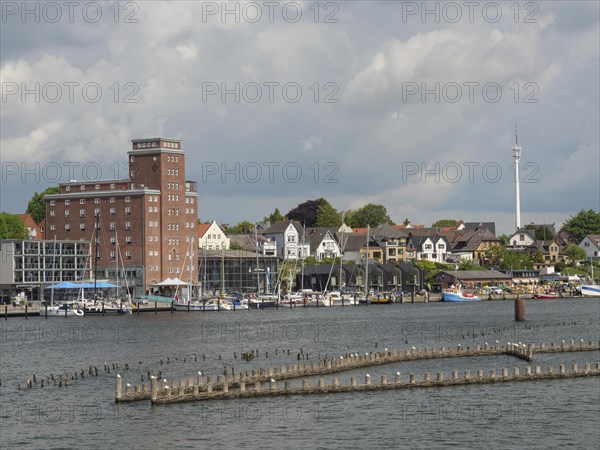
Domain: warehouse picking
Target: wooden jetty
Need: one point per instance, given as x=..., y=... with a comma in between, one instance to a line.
x=334, y=365
x=168, y=395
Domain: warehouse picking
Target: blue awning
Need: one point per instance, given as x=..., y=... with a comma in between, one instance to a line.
x=64, y=285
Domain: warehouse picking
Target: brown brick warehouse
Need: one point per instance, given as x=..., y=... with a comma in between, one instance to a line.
x=151, y=215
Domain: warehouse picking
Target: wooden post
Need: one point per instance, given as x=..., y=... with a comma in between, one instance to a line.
x=397, y=380
x=242, y=386
x=367, y=379
x=384, y=379
x=119, y=386
x=153, y=388
x=519, y=309
x=412, y=378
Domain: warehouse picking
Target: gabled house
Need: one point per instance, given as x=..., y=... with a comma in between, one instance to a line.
x=474, y=226
x=323, y=243
x=472, y=244
x=550, y=251
x=211, y=237
x=432, y=247
x=564, y=238
x=591, y=245
x=290, y=238
x=34, y=232
x=521, y=238
x=351, y=244
x=392, y=242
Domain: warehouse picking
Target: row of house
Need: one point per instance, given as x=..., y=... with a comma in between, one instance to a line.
x=387, y=244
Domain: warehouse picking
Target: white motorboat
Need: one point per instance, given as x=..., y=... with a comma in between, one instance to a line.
x=64, y=310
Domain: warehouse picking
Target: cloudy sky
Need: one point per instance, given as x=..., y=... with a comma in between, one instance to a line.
x=277, y=103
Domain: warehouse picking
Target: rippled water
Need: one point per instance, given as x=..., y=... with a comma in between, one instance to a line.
x=513, y=415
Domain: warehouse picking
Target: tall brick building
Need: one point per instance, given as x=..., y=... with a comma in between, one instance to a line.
x=151, y=215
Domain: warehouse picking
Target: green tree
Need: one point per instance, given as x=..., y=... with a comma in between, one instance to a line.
x=574, y=253
x=583, y=223
x=504, y=239
x=243, y=227
x=502, y=258
x=468, y=264
x=315, y=213
x=327, y=215
x=369, y=214
x=541, y=232
x=37, y=207
x=406, y=221
x=442, y=223
x=306, y=213
x=274, y=217
x=12, y=227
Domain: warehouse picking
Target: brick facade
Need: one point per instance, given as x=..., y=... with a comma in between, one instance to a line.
x=152, y=215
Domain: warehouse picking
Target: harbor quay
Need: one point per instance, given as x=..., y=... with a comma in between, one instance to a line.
x=36, y=309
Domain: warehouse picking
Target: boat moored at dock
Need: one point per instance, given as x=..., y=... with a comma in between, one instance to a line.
x=459, y=295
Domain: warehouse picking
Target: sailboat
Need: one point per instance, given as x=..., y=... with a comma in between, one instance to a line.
x=108, y=306
x=593, y=289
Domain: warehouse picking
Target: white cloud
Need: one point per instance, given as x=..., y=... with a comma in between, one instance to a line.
x=369, y=133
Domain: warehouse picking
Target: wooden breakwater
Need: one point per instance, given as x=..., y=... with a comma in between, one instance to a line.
x=170, y=395
x=335, y=365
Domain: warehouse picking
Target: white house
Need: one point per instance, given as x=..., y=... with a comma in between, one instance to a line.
x=521, y=238
x=591, y=245
x=290, y=238
x=211, y=237
x=431, y=248
x=322, y=244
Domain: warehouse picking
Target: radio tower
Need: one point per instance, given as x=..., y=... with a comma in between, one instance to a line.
x=517, y=156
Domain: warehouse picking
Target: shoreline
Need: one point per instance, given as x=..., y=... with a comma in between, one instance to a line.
x=37, y=311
